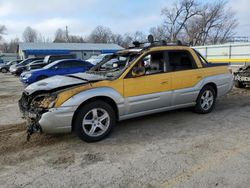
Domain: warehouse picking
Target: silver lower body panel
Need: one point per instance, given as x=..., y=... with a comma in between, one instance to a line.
x=58, y=120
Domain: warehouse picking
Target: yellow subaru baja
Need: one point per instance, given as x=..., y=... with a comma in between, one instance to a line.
x=130, y=83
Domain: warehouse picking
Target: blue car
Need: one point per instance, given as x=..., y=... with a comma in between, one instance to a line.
x=60, y=67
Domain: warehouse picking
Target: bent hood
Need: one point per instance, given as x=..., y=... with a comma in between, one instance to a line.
x=62, y=82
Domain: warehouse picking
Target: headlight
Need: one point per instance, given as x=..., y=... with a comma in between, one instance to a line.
x=44, y=101
x=27, y=75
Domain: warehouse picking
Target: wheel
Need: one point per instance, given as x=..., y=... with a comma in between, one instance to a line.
x=239, y=84
x=4, y=70
x=41, y=78
x=94, y=121
x=206, y=100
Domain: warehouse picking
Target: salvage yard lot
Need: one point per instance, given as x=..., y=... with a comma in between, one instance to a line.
x=171, y=149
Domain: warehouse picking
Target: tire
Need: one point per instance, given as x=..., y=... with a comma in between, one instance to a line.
x=239, y=84
x=41, y=78
x=206, y=100
x=94, y=129
x=4, y=70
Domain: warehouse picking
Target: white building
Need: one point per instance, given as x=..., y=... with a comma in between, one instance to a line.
x=82, y=50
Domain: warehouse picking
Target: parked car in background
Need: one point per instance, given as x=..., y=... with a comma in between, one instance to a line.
x=242, y=77
x=59, y=67
x=17, y=69
x=131, y=83
x=97, y=59
x=1, y=61
x=47, y=60
x=51, y=58
x=36, y=65
x=6, y=66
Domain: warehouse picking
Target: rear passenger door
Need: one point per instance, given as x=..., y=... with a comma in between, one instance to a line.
x=62, y=68
x=186, y=74
x=77, y=67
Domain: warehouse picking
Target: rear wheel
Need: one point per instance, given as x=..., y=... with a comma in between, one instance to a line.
x=239, y=84
x=94, y=121
x=206, y=100
x=41, y=78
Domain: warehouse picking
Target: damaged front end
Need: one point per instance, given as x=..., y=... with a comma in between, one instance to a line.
x=33, y=107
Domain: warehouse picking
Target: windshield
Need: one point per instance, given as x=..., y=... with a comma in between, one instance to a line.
x=10, y=62
x=113, y=66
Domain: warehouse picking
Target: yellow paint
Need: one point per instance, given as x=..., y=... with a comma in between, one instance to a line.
x=247, y=60
x=65, y=95
x=149, y=84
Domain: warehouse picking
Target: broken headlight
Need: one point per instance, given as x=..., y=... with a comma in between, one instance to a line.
x=44, y=101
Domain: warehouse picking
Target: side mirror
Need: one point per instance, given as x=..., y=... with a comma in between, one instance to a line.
x=56, y=68
x=138, y=71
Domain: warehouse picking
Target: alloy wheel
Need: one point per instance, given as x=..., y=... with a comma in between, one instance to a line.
x=207, y=100
x=96, y=122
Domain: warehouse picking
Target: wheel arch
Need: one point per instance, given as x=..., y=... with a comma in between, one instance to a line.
x=213, y=85
x=106, y=99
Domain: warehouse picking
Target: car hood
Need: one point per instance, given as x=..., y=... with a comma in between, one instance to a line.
x=61, y=82
x=3, y=65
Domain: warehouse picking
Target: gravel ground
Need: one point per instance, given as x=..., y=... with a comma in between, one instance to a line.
x=171, y=149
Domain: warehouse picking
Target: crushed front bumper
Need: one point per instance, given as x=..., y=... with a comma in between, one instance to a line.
x=57, y=120
x=54, y=120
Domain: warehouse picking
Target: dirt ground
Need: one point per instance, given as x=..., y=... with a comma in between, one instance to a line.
x=171, y=149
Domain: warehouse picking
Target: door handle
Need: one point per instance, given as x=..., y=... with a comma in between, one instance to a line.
x=164, y=82
x=199, y=77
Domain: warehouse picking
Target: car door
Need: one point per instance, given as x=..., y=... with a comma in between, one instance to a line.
x=150, y=91
x=62, y=68
x=76, y=67
x=186, y=74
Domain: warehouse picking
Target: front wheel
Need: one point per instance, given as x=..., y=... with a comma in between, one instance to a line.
x=206, y=100
x=4, y=70
x=94, y=121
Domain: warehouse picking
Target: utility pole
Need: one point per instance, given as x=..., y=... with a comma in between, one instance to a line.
x=67, y=33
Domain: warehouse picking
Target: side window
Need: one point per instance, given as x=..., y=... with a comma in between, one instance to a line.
x=76, y=64
x=180, y=60
x=152, y=63
x=63, y=65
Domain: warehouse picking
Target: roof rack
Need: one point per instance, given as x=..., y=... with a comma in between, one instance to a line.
x=155, y=43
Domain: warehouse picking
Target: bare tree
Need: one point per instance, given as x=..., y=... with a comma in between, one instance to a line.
x=139, y=36
x=60, y=36
x=117, y=39
x=215, y=24
x=63, y=36
x=177, y=16
x=75, y=39
x=159, y=33
x=2, y=31
x=30, y=35
x=127, y=40
x=13, y=45
x=100, y=34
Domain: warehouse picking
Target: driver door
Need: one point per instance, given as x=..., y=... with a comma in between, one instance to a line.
x=150, y=91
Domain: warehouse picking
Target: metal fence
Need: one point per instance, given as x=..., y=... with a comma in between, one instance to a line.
x=236, y=54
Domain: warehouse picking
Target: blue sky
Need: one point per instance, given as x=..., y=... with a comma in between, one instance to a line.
x=84, y=15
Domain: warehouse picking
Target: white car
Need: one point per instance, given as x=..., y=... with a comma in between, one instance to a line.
x=97, y=59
